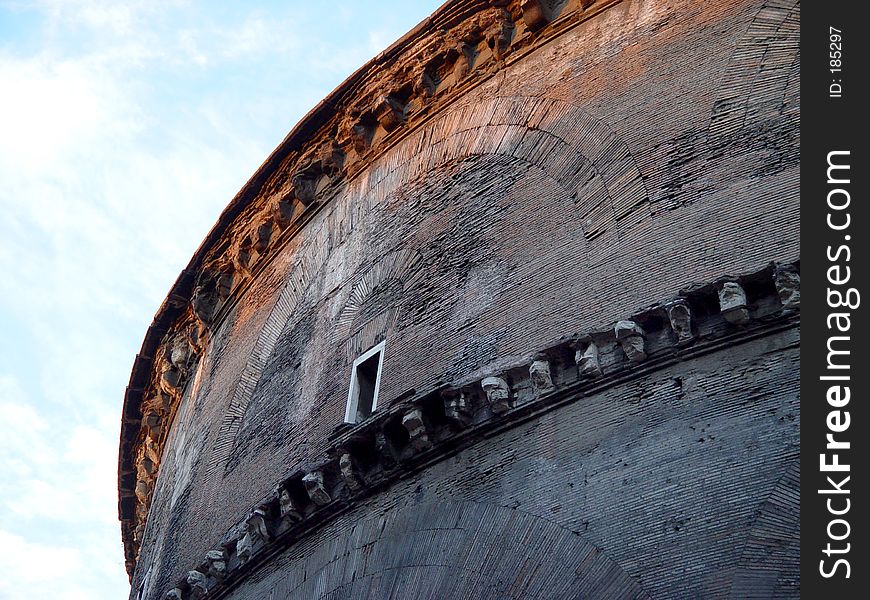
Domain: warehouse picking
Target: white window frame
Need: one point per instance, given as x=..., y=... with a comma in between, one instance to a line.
x=353, y=393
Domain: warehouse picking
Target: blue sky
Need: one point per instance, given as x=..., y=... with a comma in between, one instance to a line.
x=125, y=128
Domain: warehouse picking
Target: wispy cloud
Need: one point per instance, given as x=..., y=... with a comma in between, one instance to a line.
x=125, y=128
x=57, y=504
x=109, y=16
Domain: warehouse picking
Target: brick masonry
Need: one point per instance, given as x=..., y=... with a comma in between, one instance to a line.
x=685, y=484
x=649, y=147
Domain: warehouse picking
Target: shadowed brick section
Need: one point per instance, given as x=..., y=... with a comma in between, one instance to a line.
x=294, y=289
x=770, y=565
x=372, y=307
x=577, y=150
x=417, y=431
x=714, y=516
x=451, y=550
x=756, y=110
x=485, y=213
x=753, y=88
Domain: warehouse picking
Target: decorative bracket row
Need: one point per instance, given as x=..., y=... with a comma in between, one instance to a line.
x=430, y=426
x=459, y=46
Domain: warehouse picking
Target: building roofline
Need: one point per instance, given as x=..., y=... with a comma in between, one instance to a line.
x=462, y=44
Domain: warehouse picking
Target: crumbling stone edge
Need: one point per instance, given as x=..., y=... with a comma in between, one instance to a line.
x=424, y=428
x=461, y=45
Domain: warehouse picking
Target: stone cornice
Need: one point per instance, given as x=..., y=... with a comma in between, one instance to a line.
x=464, y=43
x=427, y=427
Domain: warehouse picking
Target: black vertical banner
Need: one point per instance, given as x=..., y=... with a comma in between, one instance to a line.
x=835, y=370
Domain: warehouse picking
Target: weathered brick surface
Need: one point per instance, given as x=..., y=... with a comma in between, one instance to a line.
x=685, y=482
x=652, y=146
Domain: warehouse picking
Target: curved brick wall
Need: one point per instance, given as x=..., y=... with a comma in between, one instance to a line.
x=625, y=158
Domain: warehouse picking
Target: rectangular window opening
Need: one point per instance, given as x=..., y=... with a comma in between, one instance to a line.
x=365, y=380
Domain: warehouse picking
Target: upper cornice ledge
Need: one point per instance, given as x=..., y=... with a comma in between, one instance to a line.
x=459, y=46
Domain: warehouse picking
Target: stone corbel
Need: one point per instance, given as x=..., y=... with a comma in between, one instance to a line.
x=326, y=161
x=385, y=450
x=357, y=129
x=263, y=236
x=198, y=583
x=586, y=357
x=217, y=564
x=180, y=352
x=350, y=473
x=176, y=358
x=316, y=488
x=457, y=406
x=204, y=301
x=788, y=285
x=254, y=535
x=146, y=469
x=733, y=303
x=534, y=14
x=631, y=336
x=287, y=507
x=541, y=375
x=282, y=210
x=330, y=156
x=462, y=67
x=158, y=402
x=224, y=280
x=153, y=423
x=680, y=317
x=498, y=393
x=498, y=36
x=413, y=422
x=143, y=490
x=425, y=83
x=305, y=182
x=169, y=379
x=390, y=112
x=242, y=256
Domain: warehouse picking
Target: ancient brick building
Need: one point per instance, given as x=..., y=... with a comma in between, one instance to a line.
x=513, y=313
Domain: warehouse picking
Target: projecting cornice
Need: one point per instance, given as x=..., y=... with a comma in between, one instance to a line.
x=429, y=426
x=462, y=44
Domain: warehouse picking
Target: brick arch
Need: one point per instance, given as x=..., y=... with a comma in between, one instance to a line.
x=309, y=263
x=579, y=151
x=457, y=549
x=754, y=87
x=753, y=126
x=471, y=244
x=770, y=564
x=400, y=267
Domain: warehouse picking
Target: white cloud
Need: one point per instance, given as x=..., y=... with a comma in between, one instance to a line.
x=56, y=481
x=107, y=192
x=43, y=109
x=126, y=126
x=22, y=446
x=259, y=34
x=23, y=567
x=58, y=571
x=117, y=17
x=49, y=465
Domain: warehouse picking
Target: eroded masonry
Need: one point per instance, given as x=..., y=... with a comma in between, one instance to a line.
x=513, y=313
